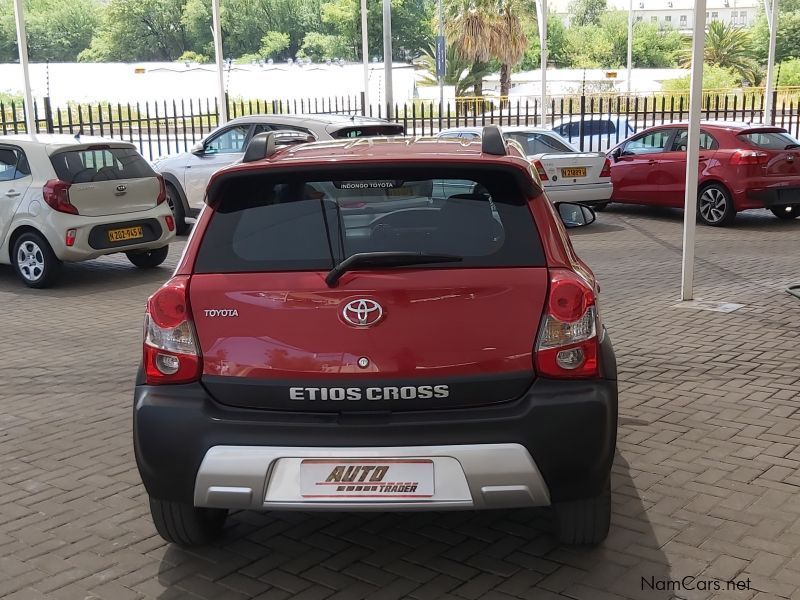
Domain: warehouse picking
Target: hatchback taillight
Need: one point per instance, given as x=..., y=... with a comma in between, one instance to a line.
x=537, y=164
x=171, y=352
x=606, y=172
x=162, y=191
x=749, y=157
x=567, y=346
x=56, y=195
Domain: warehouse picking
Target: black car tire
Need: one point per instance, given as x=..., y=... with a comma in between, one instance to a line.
x=148, y=259
x=187, y=525
x=584, y=522
x=786, y=215
x=178, y=212
x=715, y=205
x=34, y=261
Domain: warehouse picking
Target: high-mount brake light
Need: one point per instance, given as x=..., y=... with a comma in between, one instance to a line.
x=568, y=345
x=171, y=352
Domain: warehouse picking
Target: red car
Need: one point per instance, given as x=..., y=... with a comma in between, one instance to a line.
x=377, y=324
x=741, y=167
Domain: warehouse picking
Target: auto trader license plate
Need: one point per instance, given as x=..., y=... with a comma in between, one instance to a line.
x=574, y=172
x=350, y=479
x=126, y=233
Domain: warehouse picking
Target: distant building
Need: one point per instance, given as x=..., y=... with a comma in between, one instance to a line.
x=676, y=14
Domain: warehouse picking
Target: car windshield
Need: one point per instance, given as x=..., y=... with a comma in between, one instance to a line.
x=537, y=143
x=297, y=223
x=100, y=164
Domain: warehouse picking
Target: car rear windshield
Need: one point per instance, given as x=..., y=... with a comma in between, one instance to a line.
x=538, y=143
x=770, y=140
x=297, y=223
x=100, y=164
x=368, y=131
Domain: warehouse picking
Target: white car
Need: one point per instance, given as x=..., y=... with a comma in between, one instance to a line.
x=68, y=198
x=567, y=175
x=187, y=174
x=599, y=132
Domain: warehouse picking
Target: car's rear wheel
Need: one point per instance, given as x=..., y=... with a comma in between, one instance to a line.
x=187, y=525
x=786, y=212
x=715, y=206
x=584, y=522
x=34, y=261
x=148, y=259
x=178, y=212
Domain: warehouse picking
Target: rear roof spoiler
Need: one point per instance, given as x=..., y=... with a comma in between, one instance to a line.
x=492, y=141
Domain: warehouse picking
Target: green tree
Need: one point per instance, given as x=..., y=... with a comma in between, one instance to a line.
x=714, y=78
x=273, y=44
x=558, y=52
x=466, y=76
x=586, y=12
x=787, y=44
x=655, y=48
x=789, y=73
x=482, y=30
x=726, y=46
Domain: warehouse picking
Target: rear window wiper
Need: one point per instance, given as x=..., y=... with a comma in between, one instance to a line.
x=366, y=260
x=792, y=146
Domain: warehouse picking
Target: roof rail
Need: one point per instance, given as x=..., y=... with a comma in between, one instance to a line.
x=260, y=147
x=492, y=141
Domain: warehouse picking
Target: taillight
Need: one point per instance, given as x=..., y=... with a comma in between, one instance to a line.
x=171, y=353
x=537, y=164
x=749, y=157
x=162, y=192
x=606, y=172
x=567, y=346
x=56, y=195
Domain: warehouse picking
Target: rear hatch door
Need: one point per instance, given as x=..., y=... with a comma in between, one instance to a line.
x=782, y=148
x=456, y=330
x=106, y=179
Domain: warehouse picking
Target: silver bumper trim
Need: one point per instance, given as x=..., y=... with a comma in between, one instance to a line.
x=471, y=476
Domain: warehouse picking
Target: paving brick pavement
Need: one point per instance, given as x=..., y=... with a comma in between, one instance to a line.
x=705, y=483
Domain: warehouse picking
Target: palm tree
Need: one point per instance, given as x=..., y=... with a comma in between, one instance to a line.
x=726, y=46
x=466, y=76
x=482, y=30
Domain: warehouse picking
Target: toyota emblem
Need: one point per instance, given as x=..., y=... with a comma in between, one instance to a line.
x=362, y=312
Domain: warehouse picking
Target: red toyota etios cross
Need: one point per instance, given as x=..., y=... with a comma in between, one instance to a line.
x=377, y=325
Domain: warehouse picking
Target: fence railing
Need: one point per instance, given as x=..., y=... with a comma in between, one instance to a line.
x=591, y=122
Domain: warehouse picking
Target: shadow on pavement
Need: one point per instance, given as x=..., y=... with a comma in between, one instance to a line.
x=424, y=555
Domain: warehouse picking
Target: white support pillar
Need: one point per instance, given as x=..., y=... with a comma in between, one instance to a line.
x=387, y=57
x=693, y=151
x=217, y=31
x=22, y=45
x=541, y=7
x=365, y=54
x=630, y=44
x=772, y=18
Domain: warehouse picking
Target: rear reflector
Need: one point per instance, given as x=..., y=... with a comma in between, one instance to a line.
x=69, y=239
x=170, y=222
x=567, y=346
x=56, y=194
x=171, y=353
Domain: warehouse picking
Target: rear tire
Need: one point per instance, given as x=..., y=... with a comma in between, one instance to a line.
x=715, y=206
x=584, y=522
x=34, y=261
x=187, y=525
x=178, y=212
x=786, y=212
x=148, y=259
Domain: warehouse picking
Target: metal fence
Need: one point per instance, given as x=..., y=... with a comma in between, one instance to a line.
x=168, y=127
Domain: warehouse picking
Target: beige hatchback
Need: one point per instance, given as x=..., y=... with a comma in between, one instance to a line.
x=72, y=198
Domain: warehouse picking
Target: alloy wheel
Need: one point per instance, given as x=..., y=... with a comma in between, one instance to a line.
x=713, y=205
x=30, y=260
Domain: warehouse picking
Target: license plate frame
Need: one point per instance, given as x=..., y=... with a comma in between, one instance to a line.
x=124, y=234
x=390, y=479
x=573, y=172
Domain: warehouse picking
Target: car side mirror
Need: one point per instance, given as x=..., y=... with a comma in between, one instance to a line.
x=616, y=154
x=575, y=215
x=198, y=149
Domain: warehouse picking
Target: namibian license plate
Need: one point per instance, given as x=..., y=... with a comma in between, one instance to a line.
x=127, y=233
x=574, y=172
x=331, y=479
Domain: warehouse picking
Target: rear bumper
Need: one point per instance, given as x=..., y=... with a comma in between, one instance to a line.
x=769, y=196
x=555, y=443
x=600, y=192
